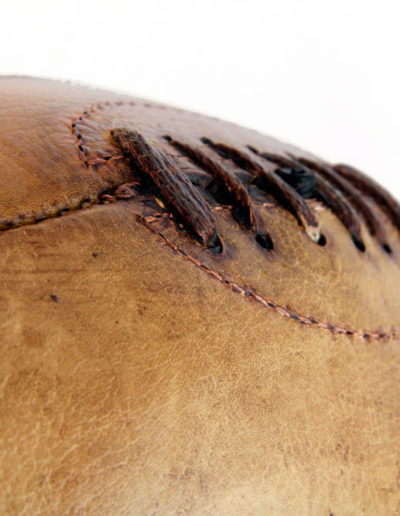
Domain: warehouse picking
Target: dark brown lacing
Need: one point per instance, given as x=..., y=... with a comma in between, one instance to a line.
x=290, y=179
x=354, y=197
x=269, y=181
x=176, y=191
x=342, y=196
x=232, y=189
x=369, y=187
x=345, y=212
x=298, y=176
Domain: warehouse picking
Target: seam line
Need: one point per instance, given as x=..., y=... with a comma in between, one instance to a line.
x=251, y=295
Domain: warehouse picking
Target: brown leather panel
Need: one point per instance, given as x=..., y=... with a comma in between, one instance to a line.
x=41, y=172
x=129, y=387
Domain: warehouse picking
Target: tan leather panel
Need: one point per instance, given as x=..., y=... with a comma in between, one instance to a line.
x=41, y=172
x=337, y=273
x=137, y=392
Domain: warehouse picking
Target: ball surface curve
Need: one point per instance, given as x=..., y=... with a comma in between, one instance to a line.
x=195, y=318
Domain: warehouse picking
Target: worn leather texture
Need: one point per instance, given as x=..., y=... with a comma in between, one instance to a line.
x=147, y=370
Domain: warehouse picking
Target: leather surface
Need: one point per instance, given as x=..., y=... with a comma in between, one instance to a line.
x=144, y=374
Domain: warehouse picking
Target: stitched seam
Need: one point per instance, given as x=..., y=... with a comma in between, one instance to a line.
x=251, y=295
x=65, y=210
x=93, y=109
x=99, y=106
x=80, y=138
x=101, y=199
x=28, y=220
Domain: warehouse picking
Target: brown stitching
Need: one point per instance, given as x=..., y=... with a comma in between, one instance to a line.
x=80, y=139
x=30, y=220
x=253, y=296
x=119, y=192
x=99, y=106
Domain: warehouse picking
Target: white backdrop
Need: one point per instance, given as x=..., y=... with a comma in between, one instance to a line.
x=324, y=75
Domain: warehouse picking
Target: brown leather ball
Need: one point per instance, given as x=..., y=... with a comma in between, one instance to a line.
x=195, y=318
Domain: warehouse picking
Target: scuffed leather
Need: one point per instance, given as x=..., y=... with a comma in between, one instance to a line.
x=134, y=381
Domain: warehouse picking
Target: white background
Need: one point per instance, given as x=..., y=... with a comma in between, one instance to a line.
x=324, y=75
